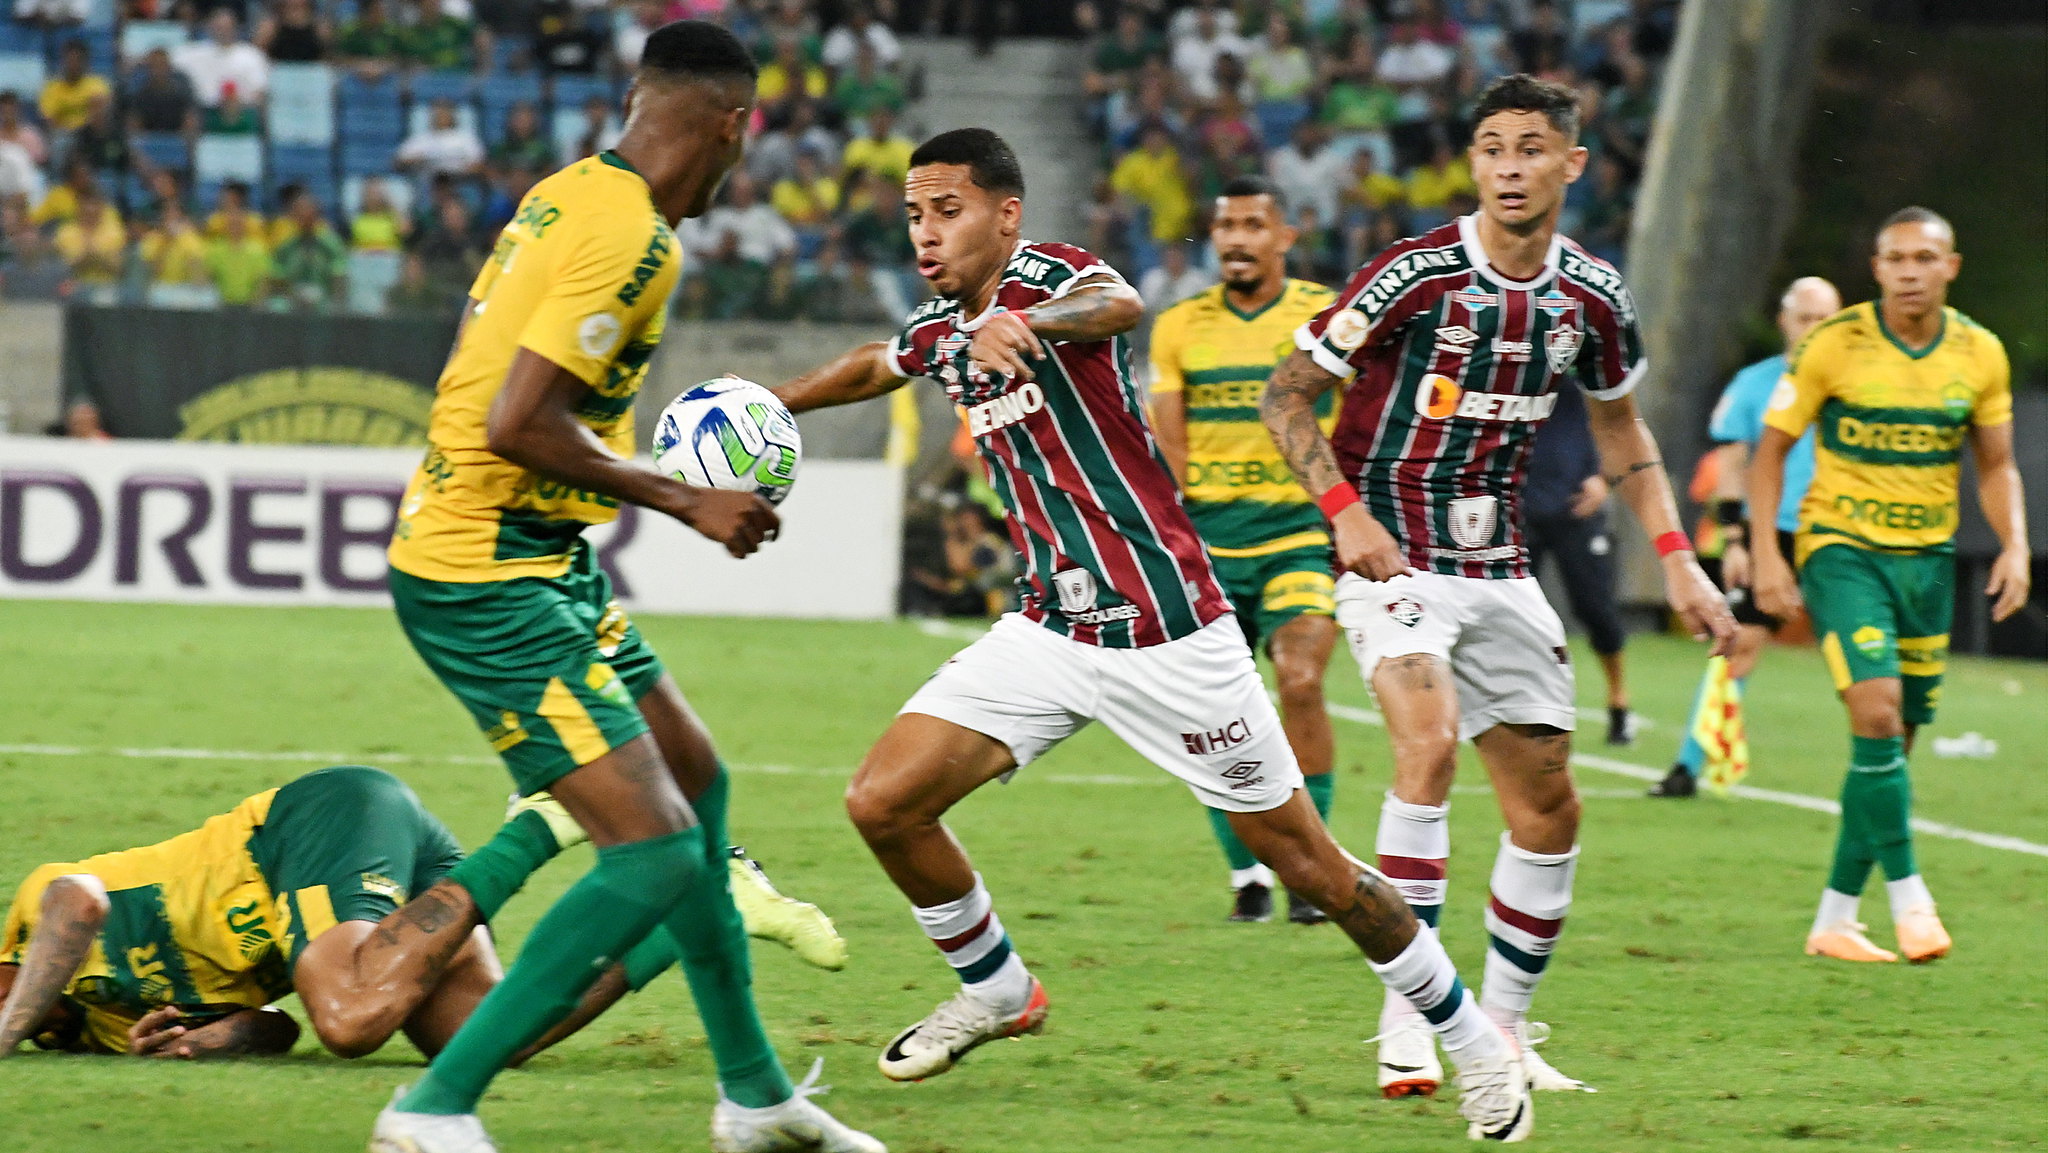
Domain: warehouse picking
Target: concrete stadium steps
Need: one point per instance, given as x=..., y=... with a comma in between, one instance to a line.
x=1029, y=91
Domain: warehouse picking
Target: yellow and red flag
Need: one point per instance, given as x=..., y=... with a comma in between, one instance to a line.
x=1719, y=729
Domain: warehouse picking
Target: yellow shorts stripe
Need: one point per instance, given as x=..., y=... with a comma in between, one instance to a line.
x=316, y=911
x=1314, y=592
x=1311, y=539
x=1923, y=656
x=572, y=724
x=1838, y=665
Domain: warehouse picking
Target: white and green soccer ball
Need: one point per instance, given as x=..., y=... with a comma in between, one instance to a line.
x=731, y=434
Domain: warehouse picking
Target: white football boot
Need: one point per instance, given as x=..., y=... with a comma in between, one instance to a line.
x=795, y=1126
x=1408, y=1061
x=957, y=1026
x=568, y=833
x=1543, y=1076
x=1493, y=1095
x=398, y=1132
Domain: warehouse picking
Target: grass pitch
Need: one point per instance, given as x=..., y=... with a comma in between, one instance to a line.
x=1679, y=989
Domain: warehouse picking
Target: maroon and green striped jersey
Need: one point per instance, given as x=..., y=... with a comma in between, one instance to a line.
x=1452, y=367
x=1111, y=558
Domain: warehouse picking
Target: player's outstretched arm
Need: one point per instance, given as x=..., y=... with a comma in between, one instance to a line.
x=1096, y=308
x=244, y=1033
x=533, y=424
x=1771, y=580
x=1628, y=453
x=858, y=374
x=2004, y=501
x=72, y=910
x=1288, y=407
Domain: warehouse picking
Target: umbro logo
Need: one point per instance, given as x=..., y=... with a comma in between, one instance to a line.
x=1244, y=774
x=1456, y=339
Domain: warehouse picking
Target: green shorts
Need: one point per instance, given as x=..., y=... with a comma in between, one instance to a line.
x=1271, y=590
x=347, y=844
x=1881, y=614
x=551, y=669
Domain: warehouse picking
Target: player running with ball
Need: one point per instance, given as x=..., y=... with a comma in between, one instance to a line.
x=1123, y=621
x=1450, y=347
x=532, y=440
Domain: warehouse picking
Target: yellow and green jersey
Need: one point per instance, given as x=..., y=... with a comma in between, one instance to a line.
x=581, y=276
x=1892, y=424
x=192, y=922
x=1239, y=491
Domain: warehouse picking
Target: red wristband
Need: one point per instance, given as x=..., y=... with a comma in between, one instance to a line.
x=1337, y=500
x=1671, y=542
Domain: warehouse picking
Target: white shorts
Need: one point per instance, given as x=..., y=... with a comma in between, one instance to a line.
x=1195, y=707
x=1502, y=640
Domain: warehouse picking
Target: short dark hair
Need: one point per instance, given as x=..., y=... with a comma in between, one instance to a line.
x=1253, y=185
x=1522, y=92
x=989, y=160
x=1914, y=214
x=697, y=50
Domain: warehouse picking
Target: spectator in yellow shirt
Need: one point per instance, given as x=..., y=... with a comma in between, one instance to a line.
x=1432, y=187
x=60, y=204
x=808, y=197
x=377, y=226
x=232, y=205
x=790, y=73
x=67, y=97
x=93, y=243
x=1150, y=175
x=238, y=260
x=881, y=151
x=1369, y=189
x=173, y=251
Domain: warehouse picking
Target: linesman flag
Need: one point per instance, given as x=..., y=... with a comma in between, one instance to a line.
x=1719, y=730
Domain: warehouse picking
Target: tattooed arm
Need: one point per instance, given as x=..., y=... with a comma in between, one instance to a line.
x=1096, y=308
x=1289, y=409
x=860, y=374
x=72, y=911
x=1628, y=453
x=247, y=1032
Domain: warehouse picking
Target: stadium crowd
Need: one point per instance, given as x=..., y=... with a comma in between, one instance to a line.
x=1356, y=110
x=360, y=155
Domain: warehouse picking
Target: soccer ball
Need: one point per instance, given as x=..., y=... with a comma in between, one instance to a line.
x=731, y=434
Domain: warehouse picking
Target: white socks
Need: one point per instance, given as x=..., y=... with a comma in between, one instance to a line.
x=1424, y=975
x=1525, y=912
x=1256, y=875
x=971, y=936
x=1908, y=894
x=1835, y=908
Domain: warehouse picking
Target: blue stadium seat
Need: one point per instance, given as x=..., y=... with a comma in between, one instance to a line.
x=367, y=158
x=20, y=38
x=164, y=150
x=301, y=104
x=355, y=92
x=567, y=128
x=508, y=49
x=23, y=73
x=205, y=198
x=498, y=95
x=574, y=91
x=219, y=158
x=431, y=86
x=371, y=125
x=1277, y=120
x=306, y=164
x=138, y=37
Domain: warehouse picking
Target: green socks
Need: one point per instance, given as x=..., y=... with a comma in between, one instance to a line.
x=497, y=870
x=1321, y=788
x=711, y=939
x=613, y=906
x=1877, y=805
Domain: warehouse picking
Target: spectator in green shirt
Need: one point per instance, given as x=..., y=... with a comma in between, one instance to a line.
x=523, y=146
x=368, y=45
x=1356, y=101
x=1121, y=55
x=308, y=270
x=238, y=261
x=232, y=116
x=864, y=88
x=443, y=42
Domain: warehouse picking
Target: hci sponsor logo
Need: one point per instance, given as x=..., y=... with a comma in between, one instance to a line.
x=1228, y=737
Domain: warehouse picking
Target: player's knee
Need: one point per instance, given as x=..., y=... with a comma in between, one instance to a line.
x=354, y=1030
x=1876, y=709
x=880, y=814
x=1301, y=686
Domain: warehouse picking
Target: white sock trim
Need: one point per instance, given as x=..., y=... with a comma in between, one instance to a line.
x=1908, y=894
x=955, y=917
x=1835, y=908
x=1256, y=875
